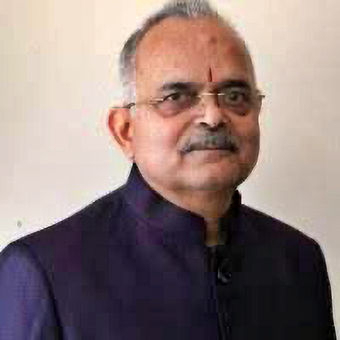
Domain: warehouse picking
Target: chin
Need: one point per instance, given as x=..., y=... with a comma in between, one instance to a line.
x=213, y=181
x=226, y=177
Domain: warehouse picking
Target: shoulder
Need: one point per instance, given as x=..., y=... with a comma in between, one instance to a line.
x=282, y=238
x=287, y=247
x=69, y=243
x=269, y=227
x=17, y=261
x=92, y=219
x=19, y=268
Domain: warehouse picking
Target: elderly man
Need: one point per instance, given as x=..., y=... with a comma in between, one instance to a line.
x=173, y=254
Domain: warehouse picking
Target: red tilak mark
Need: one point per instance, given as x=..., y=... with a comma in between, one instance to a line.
x=210, y=77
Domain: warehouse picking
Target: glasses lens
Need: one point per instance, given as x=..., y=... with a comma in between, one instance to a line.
x=238, y=99
x=176, y=102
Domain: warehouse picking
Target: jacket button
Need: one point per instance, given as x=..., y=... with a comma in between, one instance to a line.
x=223, y=277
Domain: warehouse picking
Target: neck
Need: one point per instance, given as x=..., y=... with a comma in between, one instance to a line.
x=211, y=232
x=211, y=205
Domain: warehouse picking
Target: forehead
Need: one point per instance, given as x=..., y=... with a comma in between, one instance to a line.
x=193, y=50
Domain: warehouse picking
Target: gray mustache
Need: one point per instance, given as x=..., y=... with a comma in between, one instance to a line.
x=217, y=140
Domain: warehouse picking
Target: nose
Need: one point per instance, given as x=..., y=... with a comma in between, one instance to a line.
x=209, y=113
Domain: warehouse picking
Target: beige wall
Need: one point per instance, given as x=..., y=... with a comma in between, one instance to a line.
x=58, y=78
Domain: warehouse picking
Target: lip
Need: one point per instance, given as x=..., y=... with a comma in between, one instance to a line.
x=210, y=155
x=210, y=149
x=213, y=149
x=229, y=148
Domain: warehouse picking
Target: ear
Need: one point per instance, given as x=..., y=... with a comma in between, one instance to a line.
x=121, y=127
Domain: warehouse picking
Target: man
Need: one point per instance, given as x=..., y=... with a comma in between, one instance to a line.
x=173, y=254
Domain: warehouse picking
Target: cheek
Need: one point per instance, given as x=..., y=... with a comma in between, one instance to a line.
x=253, y=143
x=249, y=132
x=154, y=140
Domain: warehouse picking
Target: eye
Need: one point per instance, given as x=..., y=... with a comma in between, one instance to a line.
x=177, y=97
x=236, y=96
x=175, y=102
x=237, y=99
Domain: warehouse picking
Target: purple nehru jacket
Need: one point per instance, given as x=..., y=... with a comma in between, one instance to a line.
x=134, y=266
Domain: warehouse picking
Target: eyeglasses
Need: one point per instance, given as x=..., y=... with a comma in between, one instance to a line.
x=238, y=99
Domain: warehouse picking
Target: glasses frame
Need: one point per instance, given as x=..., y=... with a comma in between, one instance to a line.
x=155, y=101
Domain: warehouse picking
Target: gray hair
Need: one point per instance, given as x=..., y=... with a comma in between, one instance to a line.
x=176, y=8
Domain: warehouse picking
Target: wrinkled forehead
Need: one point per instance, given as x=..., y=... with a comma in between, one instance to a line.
x=196, y=50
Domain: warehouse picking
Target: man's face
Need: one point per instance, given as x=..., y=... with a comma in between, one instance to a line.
x=205, y=55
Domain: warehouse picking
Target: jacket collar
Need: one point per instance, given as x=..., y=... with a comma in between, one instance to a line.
x=168, y=222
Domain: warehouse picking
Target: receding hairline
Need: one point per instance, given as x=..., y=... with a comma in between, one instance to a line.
x=231, y=31
x=231, y=34
x=189, y=10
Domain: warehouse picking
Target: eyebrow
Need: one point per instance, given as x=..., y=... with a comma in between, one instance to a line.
x=234, y=83
x=179, y=86
x=189, y=86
